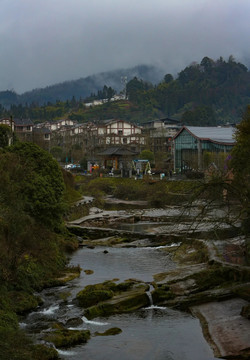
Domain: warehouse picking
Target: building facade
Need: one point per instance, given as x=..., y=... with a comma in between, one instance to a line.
x=196, y=147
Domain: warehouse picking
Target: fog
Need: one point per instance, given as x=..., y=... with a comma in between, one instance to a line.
x=43, y=42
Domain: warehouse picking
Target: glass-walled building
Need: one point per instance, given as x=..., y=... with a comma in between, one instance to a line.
x=196, y=147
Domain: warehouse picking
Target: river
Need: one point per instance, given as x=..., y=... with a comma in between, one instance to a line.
x=151, y=333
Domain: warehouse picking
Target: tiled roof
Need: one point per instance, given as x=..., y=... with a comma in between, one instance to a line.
x=42, y=130
x=118, y=151
x=23, y=122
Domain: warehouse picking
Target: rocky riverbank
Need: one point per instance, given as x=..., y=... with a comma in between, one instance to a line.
x=212, y=278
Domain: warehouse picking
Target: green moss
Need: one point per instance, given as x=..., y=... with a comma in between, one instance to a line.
x=111, y=331
x=88, y=298
x=8, y=320
x=42, y=352
x=67, y=338
x=192, y=252
x=23, y=302
x=124, y=286
x=93, y=294
x=89, y=272
x=64, y=295
x=162, y=293
x=127, y=304
x=215, y=277
x=15, y=345
x=243, y=291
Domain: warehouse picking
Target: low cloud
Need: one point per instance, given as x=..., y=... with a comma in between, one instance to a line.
x=44, y=42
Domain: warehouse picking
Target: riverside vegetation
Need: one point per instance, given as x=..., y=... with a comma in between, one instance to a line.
x=34, y=196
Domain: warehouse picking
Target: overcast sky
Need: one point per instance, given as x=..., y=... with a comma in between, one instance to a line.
x=43, y=42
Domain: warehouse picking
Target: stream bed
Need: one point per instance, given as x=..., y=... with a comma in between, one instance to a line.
x=149, y=333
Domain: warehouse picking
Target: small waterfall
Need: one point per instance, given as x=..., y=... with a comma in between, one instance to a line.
x=98, y=323
x=49, y=311
x=151, y=304
x=150, y=295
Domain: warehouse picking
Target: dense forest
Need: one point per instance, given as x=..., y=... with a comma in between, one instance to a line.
x=210, y=93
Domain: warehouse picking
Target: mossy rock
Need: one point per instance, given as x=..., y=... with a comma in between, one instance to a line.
x=124, y=286
x=89, y=272
x=111, y=331
x=42, y=352
x=88, y=298
x=243, y=291
x=162, y=293
x=111, y=298
x=121, y=303
x=93, y=294
x=65, y=295
x=193, y=252
x=216, y=276
x=73, y=322
x=67, y=338
x=69, y=273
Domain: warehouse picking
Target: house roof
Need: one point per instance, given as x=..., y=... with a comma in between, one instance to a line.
x=165, y=120
x=42, y=130
x=23, y=122
x=112, y=121
x=215, y=134
x=119, y=151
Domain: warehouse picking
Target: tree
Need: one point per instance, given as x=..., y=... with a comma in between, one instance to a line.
x=168, y=78
x=201, y=115
x=56, y=152
x=207, y=64
x=147, y=155
x=240, y=166
x=41, y=184
x=135, y=89
x=5, y=135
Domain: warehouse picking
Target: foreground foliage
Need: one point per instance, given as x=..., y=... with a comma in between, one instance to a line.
x=32, y=240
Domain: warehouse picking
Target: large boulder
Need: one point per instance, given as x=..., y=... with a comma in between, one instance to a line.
x=111, y=298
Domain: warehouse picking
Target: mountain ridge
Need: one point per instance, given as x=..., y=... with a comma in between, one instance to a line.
x=82, y=87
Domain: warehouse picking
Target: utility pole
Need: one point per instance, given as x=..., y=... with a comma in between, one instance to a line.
x=124, y=80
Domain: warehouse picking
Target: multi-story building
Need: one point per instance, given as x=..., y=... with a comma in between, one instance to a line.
x=160, y=134
x=120, y=132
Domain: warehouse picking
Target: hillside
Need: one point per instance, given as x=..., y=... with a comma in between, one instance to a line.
x=213, y=92
x=83, y=87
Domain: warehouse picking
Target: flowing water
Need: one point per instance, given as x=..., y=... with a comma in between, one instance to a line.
x=150, y=333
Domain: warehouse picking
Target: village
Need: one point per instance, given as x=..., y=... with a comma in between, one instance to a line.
x=114, y=146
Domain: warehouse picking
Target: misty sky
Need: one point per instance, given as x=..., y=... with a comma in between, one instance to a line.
x=43, y=42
